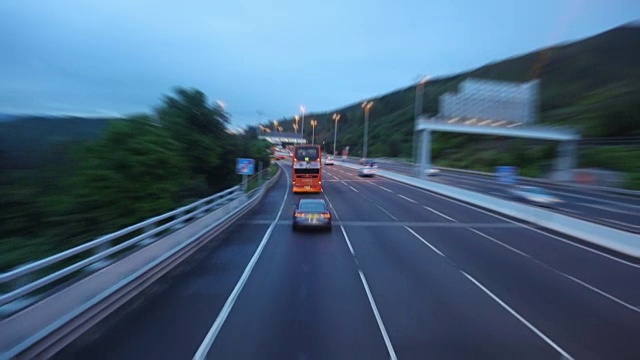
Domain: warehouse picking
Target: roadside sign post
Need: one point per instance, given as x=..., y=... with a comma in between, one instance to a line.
x=507, y=175
x=245, y=167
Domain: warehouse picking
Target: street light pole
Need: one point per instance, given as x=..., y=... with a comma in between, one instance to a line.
x=417, y=113
x=336, y=117
x=313, y=132
x=297, y=117
x=302, y=109
x=366, y=106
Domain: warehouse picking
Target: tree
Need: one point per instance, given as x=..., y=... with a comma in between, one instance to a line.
x=199, y=129
x=133, y=173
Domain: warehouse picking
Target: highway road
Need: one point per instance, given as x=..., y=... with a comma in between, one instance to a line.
x=404, y=274
x=612, y=210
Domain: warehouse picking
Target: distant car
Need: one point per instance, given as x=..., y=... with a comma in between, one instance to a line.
x=329, y=161
x=371, y=163
x=368, y=171
x=431, y=171
x=535, y=195
x=312, y=213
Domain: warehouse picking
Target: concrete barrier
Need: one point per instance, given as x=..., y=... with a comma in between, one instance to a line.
x=614, y=239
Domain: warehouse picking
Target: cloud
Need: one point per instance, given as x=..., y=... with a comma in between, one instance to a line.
x=120, y=56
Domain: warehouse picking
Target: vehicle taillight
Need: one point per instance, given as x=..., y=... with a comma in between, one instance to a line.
x=326, y=215
x=299, y=214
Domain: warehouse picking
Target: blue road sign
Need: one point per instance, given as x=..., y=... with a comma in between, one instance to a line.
x=245, y=166
x=507, y=174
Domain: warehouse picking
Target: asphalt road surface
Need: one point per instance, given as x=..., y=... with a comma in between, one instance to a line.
x=404, y=274
x=612, y=210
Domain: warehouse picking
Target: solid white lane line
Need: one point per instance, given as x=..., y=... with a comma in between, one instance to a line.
x=406, y=198
x=354, y=189
x=439, y=213
x=231, y=300
x=424, y=241
x=517, y=316
x=524, y=226
x=372, y=302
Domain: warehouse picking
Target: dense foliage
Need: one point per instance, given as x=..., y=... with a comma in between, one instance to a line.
x=139, y=167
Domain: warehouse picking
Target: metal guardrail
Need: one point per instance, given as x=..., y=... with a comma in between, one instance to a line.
x=49, y=337
x=548, y=182
x=103, y=247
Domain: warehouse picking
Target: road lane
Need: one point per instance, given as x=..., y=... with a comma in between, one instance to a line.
x=430, y=309
x=169, y=320
x=616, y=277
x=583, y=321
x=304, y=300
x=618, y=211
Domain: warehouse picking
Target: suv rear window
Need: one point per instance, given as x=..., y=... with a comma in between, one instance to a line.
x=312, y=206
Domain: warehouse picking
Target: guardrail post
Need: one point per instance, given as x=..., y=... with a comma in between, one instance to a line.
x=148, y=240
x=20, y=303
x=179, y=224
x=100, y=263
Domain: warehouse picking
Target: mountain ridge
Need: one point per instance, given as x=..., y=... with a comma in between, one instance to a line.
x=601, y=71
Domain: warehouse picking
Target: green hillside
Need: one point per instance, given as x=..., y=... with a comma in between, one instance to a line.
x=593, y=84
x=34, y=142
x=64, y=181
